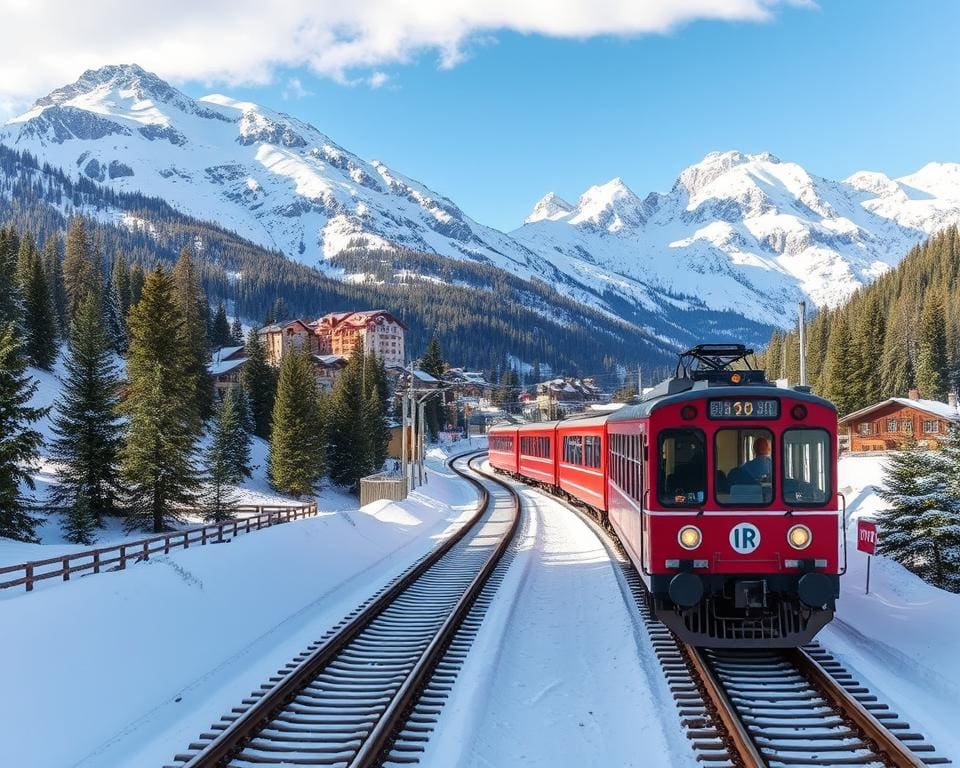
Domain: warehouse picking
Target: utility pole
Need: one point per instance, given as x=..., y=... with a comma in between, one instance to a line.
x=423, y=408
x=403, y=443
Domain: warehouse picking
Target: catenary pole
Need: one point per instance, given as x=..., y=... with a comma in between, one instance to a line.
x=802, y=335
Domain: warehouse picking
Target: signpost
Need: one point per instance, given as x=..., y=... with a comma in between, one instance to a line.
x=867, y=542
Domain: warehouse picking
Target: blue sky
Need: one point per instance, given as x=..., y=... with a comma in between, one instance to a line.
x=850, y=85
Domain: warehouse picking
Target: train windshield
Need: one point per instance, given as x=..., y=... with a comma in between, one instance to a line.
x=743, y=467
x=806, y=466
x=683, y=468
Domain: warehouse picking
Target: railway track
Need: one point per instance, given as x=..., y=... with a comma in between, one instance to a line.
x=771, y=708
x=346, y=699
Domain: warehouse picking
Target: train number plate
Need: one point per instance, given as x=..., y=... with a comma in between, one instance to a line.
x=744, y=408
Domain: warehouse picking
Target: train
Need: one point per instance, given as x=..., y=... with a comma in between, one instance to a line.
x=721, y=487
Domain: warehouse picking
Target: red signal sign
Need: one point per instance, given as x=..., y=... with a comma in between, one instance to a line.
x=867, y=536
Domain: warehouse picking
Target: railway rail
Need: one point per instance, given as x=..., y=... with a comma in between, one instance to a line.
x=771, y=708
x=346, y=698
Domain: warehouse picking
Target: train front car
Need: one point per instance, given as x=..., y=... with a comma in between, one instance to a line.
x=723, y=488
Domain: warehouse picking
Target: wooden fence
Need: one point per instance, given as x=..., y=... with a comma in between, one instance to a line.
x=117, y=557
x=382, y=486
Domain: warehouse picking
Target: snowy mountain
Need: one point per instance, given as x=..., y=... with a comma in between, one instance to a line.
x=738, y=237
x=749, y=233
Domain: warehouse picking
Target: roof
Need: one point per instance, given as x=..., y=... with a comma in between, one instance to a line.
x=424, y=376
x=702, y=389
x=330, y=360
x=226, y=353
x=359, y=317
x=218, y=368
x=277, y=327
x=934, y=407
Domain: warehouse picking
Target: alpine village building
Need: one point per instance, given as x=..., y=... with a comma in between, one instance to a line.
x=890, y=424
x=331, y=341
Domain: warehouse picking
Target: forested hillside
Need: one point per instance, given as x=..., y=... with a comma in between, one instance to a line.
x=480, y=313
x=900, y=332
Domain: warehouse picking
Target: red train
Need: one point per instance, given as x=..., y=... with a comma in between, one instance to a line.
x=722, y=489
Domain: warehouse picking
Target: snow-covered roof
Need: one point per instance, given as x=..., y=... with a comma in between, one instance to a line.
x=329, y=360
x=220, y=367
x=606, y=407
x=934, y=407
x=424, y=376
x=225, y=353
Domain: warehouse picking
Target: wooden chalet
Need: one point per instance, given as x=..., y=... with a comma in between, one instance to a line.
x=890, y=424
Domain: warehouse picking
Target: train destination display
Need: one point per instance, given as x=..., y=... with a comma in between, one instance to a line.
x=744, y=408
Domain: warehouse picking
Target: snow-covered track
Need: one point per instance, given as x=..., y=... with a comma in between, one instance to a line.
x=342, y=701
x=801, y=707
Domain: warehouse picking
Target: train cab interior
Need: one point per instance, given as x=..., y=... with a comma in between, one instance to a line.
x=743, y=466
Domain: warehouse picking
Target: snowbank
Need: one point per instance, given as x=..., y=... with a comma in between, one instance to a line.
x=128, y=667
x=903, y=639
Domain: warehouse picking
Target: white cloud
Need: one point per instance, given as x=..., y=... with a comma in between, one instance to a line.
x=234, y=41
x=293, y=89
x=378, y=79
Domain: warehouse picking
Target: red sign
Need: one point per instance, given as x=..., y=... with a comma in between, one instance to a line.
x=867, y=536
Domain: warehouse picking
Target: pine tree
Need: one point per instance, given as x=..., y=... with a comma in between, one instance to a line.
x=220, y=336
x=932, y=364
x=221, y=461
x=921, y=529
x=9, y=295
x=87, y=430
x=39, y=318
x=842, y=385
x=816, y=350
x=376, y=397
x=157, y=455
x=896, y=362
x=870, y=330
x=348, y=448
x=296, y=441
x=193, y=307
x=26, y=256
x=137, y=277
x=81, y=275
x=114, y=320
x=434, y=364
x=236, y=333
x=239, y=433
x=260, y=384
x=53, y=269
x=19, y=443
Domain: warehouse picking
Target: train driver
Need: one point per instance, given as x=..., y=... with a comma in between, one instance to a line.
x=760, y=467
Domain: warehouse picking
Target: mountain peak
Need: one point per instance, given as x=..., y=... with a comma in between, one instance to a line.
x=611, y=206
x=121, y=77
x=551, y=207
x=695, y=177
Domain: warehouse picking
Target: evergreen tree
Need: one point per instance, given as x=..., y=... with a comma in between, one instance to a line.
x=236, y=333
x=157, y=455
x=86, y=428
x=137, y=277
x=193, y=308
x=434, y=364
x=816, y=350
x=260, y=384
x=19, y=443
x=348, y=449
x=932, y=364
x=233, y=411
x=114, y=320
x=39, y=318
x=9, y=295
x=81, y=275
x=53, y=269
x=376, y=396
x=120, y=285
x=296, y=441
x=221, y=459
x=896, y=362
x=921, y=529
x=868, y=347
x=220, y=336
x=26, y=257
x=842, y=385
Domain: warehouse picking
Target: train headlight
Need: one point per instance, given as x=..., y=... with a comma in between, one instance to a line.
x=799, y=537
x=689, y=537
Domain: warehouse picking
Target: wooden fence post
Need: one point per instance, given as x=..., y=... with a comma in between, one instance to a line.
x=28, y=575
x=66, y=569
x=146, y=550
x=123, y=556
x=96, y=561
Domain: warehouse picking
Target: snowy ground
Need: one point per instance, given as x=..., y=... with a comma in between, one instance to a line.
x=128, y=667
x=562, y=673
x=903, y=639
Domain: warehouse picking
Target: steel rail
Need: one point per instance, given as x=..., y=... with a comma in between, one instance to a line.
x=233, y=737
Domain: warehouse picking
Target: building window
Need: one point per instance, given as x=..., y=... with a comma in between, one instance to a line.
x=907, y=426
x=930, y=426
x=864, y=428
x=891, y=425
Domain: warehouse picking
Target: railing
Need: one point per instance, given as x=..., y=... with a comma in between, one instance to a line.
x=117, y=557
x=382, y=486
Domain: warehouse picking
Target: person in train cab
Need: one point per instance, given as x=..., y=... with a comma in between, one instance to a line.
x=686, y=481
x=760, y=467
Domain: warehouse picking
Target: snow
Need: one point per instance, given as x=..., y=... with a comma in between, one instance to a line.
x=562, y=673
x=901, y=639
x=196, y=630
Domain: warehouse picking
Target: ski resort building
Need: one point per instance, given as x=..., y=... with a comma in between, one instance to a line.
x=340, y=333
x=890, y=424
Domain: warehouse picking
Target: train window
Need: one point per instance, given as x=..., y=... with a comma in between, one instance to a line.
x=537, y=447
x=591, y=451
x=683, y=468
x=806, y=467
x=573, y=449
x=743, y=467
x=501, y=443
x=624, y=463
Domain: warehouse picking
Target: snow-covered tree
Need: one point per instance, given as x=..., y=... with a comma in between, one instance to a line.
x=219, y=496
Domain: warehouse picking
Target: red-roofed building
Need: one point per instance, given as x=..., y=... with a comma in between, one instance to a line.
x=340, y=333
